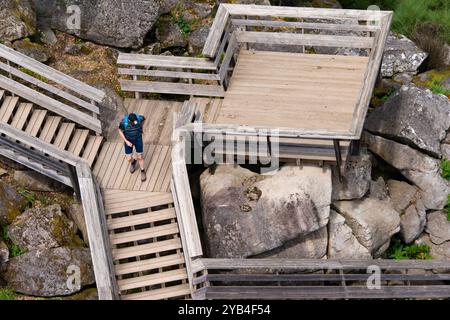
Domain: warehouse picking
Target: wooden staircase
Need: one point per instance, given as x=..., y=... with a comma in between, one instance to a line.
x=48, y=127
x=146, y=245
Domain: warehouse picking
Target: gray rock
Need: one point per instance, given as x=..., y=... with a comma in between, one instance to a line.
x=48, y=37
x=76, y=214
x=46, y=273
x=437, y=251
x=197, y=40
x=438, y=227
x=417, y=167
x=11, y=203
x=342, y=243
x=112, y=109
x=413, y=221
x=33, y=50
x=372, y=221
x=402, y=194
x=17, y=20
x=43, y=228
x=3, y=172
x=4, y=253
x=413, y=116
x=246, y=214
x=34, y=181
x=114, y=22
x=378, y=189
x=401, y=55
x=311, y=246
x=445, y=150
x=169, y=34
x=403, y=78
x=73, y=49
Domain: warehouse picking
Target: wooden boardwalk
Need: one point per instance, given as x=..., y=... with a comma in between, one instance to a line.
x=141, y=220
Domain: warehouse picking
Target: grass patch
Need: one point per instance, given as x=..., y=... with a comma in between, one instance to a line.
x=183, y=25
x=401, y=251
x=381, y=95
x=7, y=294
x=445, y=169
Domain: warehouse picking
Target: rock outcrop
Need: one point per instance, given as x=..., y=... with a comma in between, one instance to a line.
x=11, y=203
x=43, y=228
x=17, y=20
x=48, y=272
x=115, y=22
x=372, y=221
x=437, y=251
x=34, y=181
x=422, y=170
x=413, y=116
x=401, y=55
x=246, y=214
x=342, y=243
x=4, y=253
x=438, y=227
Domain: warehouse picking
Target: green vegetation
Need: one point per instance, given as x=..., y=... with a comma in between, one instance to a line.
x=381, y=95
x=7, y=294
x=401, y=251
x=14, y=250
x=445, y=169
x=33, y=74
x=182, y=24
x=447, y=208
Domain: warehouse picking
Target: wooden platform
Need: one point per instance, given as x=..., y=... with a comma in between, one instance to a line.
x=293, y=90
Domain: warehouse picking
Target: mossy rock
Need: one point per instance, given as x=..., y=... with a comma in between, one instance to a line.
x=11, y=204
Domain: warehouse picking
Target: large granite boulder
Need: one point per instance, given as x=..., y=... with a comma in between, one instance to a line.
x=169, y=34
x=197, y=40
x=43, y=228
x=407, y=200
x=47, y=273
x=34, y=50
x=437, y=251
x=355, y=182
x=11, y=203
x=342, y=243
x=112, y=109
x=34, y=181
x=413, y=116
x=422, y=170
x=115, y=23
x=75, y=213
x=372, y=221
x=246, y=214
x=438, y=227
x=401, y=55
x=17, y=20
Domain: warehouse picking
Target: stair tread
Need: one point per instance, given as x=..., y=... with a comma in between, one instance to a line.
x=92, y=147
x=149, y=264
x=21, y=116
x=49, y=129
x=158, y=294
x=64, y=134
x=142, y=218
x=143, y=249
x=78, y=141
x=142, y=234
x=35, y=123
x=141, y=200
x=152, y=279
x=7, y=108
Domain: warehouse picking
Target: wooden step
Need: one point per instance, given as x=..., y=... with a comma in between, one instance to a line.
x=152, y=279
x=159, y=294
x=2, y=94
x=21, y=116
x=143, y=218
x=142, y=234
x=141, y=200
x=35, y=123
x=7, y=108
x=50, y=127
x=78, y=141
x=149, y=264
x=144, y=249
x=92, y=148
x=64, y=134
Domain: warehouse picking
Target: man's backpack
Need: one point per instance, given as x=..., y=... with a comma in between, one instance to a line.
x=126, y=121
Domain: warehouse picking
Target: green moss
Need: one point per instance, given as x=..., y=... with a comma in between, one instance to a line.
x=7, y=294
x=381, y=95
x=447, y=208
x=445, y=169
x=434, y=81
x=33, y=74
x=15, y=250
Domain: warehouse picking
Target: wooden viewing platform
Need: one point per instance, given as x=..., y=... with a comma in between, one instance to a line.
x=143, y=236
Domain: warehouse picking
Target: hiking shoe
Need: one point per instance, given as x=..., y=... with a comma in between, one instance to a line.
x=143, y=176
x=133, y=166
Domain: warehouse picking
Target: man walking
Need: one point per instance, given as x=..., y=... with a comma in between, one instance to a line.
x=130, y=130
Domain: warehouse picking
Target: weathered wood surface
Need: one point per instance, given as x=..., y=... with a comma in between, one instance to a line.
x=51, y=74
x=305, y=39
x=169, y=74
x=51, y=104
x=147, y=60
x=326, y=292
x=216, y=32
x=224, y=66
x=172, y=88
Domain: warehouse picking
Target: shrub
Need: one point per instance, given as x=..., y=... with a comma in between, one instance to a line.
x=445, y=169
x=7, y=294
x=429, y=37
x=401, y=251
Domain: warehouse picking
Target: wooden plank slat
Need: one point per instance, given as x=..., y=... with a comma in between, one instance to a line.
x=304, y=39
x=165, y=61
x=158, y=294
x=78, y=141
x=64, y=134
x=7, y=108
x=143, y=218
x=172, y=88
x=92, y=147
x=49, y=129
x=153, y=279
x=144, y=249
x=148, y=202
x=149, y=264
x=35, y=123
x=169, y=74
x=143, y=234
x=216, y=32
x=21, y=116
x=51, y=74
x=51, y=104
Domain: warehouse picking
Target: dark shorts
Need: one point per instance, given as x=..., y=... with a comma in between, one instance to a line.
x=137, y=144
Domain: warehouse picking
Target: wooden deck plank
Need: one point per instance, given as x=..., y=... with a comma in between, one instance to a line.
x=92, y=148
x=113, y=166
x=35, y=123
x=165, y=168
x=50, y=127
x=153, y=279
x=151, y=171
x=78, y=141
x=21, y=116
x=143, y=218
x=149, y=264
x=136, y=176
x=64, y=134
x=158, y=294
x=144, y=249
x=7, y=108
x=156, y=169
x=105, y=157
x=172, y=88
x=143, y=234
